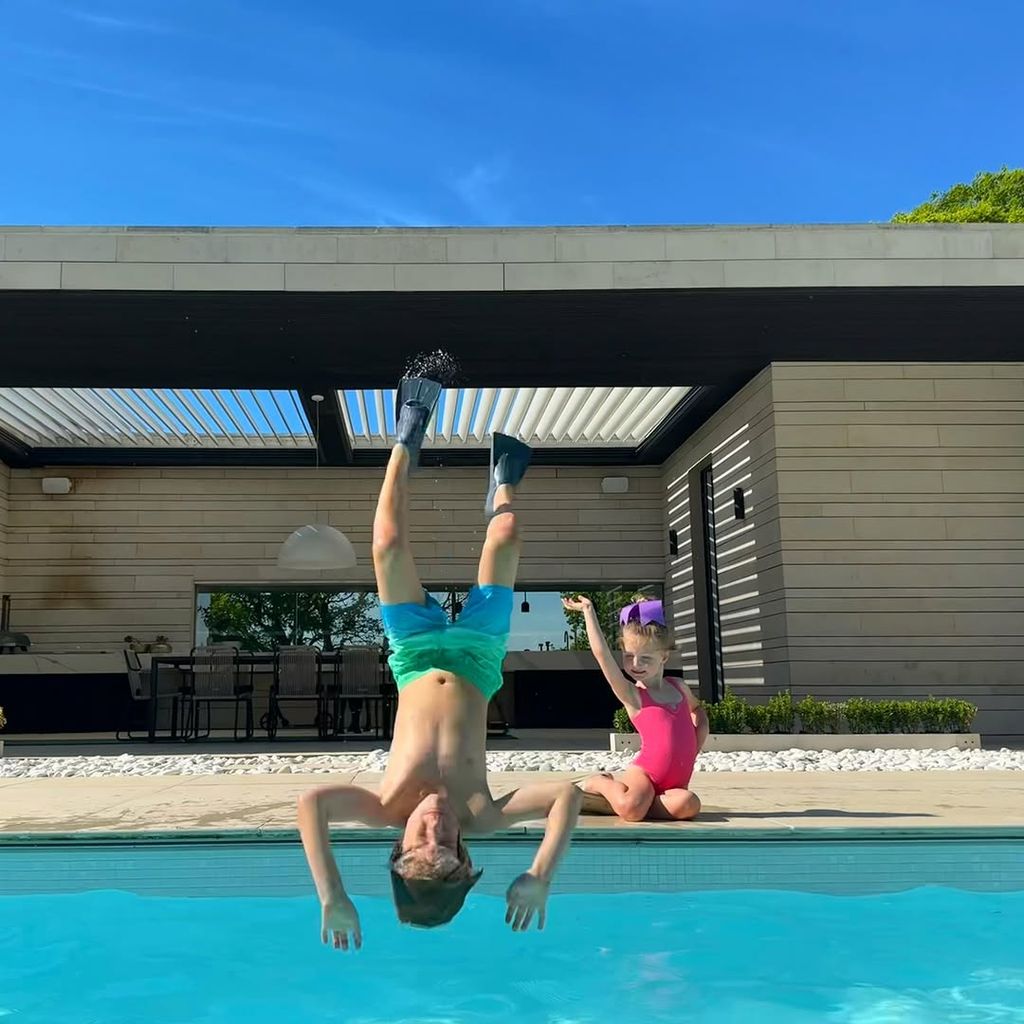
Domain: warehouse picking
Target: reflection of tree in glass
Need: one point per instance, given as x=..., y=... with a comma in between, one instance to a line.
x=259, y=621
x=607, y=604
x=451, y=601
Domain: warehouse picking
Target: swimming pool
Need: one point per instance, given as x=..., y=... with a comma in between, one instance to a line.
x=764, y=931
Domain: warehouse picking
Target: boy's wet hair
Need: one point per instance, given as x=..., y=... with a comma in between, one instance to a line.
x=429, y=893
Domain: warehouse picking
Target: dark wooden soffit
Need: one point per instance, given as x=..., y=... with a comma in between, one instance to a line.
x=521, y=339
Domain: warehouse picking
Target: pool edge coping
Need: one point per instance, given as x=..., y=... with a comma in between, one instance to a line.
x=277, y=836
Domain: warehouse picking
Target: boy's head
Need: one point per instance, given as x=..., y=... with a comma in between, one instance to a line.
x=645, y=639
x=431, y=872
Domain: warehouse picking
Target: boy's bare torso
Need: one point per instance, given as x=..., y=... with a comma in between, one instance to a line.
x=440, y=742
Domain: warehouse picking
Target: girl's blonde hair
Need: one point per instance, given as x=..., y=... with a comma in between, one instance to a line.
x=653, y=632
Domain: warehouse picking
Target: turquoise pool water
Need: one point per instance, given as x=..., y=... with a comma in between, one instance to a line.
x=923, y=956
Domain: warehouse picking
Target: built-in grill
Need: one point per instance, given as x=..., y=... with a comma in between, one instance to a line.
x=10, y=642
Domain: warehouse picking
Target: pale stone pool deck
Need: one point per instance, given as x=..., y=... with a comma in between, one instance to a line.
x=766, y=801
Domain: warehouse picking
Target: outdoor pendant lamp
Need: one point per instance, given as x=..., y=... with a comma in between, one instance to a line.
x=316, y=545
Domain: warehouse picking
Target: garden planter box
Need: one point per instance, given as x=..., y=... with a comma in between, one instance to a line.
x=630, y=742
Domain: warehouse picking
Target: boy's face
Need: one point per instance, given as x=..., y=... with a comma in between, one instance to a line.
x=642, y=658
x=431, y=873
x=432, y=831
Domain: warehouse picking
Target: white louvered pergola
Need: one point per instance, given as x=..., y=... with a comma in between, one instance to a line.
x=543, y=417
x=268, y=424
x=154, y=418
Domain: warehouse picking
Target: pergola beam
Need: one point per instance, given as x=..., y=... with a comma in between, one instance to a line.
x=333, y=440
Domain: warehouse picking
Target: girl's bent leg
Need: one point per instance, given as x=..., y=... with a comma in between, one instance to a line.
x=629, y=796
x=675, y=805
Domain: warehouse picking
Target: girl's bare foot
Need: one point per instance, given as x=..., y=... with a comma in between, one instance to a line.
x=595, y=804
x=592, y=786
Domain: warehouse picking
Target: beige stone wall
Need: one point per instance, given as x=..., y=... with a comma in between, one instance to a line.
x=123, y=553
x=901, y=505
x=512, y=259
x=740, y=438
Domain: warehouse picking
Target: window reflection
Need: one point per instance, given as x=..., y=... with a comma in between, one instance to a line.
x=261, y=619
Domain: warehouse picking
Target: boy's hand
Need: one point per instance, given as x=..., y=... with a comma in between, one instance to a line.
x=577, y=604
x=339, y=918
x=526, y=896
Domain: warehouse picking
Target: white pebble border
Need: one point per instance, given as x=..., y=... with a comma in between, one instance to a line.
x=576, y=762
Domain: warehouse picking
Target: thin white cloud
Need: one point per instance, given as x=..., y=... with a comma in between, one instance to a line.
x=192, y=112
x=478, y=188
x=115, y=23
x=349, y=201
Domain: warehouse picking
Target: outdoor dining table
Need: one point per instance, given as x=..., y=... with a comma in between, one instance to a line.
x=185, y=661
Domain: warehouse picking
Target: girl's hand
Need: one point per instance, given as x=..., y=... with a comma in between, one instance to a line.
x=577, y=604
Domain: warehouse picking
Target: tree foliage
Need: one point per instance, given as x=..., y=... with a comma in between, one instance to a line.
x=259, y=621
x=993, y=197
x=607, y=604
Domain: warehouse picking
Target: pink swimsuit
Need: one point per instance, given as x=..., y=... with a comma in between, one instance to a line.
x=668, y=741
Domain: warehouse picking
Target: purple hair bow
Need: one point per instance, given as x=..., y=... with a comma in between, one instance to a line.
x=644, y=612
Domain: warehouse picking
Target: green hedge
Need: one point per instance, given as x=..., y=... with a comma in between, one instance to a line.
x=733, y=714
x=621, y=721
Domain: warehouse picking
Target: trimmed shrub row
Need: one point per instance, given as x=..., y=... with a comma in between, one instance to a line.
x=734, y=714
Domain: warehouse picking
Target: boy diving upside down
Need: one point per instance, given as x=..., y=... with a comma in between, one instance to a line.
x=435, y=786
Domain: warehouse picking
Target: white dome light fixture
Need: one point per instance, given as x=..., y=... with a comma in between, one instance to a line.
x=316, y=546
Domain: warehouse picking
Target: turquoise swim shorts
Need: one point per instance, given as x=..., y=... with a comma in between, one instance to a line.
x=424, y=639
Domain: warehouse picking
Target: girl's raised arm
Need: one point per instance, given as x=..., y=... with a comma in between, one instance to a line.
x=622, y=686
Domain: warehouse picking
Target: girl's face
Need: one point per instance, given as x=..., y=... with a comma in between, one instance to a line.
x=642, y=658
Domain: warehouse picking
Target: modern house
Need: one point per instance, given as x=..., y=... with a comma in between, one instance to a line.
x=811, y=437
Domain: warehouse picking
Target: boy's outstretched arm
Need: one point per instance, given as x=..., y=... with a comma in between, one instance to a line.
x=317, y=809
x=622, y=686
x=559, y=803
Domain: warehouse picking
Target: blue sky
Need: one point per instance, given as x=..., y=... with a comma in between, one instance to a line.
x=521, y=112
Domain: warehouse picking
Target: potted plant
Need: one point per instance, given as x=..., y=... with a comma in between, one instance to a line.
x=161, y=645
x=135, y=645
x=3, y=722
x=625, y=739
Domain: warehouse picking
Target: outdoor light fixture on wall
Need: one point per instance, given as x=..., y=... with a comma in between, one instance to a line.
x=316, y=545
x=57, y=485
x=525, y=606
x=739, y=504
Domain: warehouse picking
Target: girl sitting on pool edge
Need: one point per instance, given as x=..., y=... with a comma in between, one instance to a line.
x=673, y=727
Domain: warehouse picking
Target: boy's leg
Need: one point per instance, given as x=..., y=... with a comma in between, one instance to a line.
x=397, y=579
x=499, y=559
